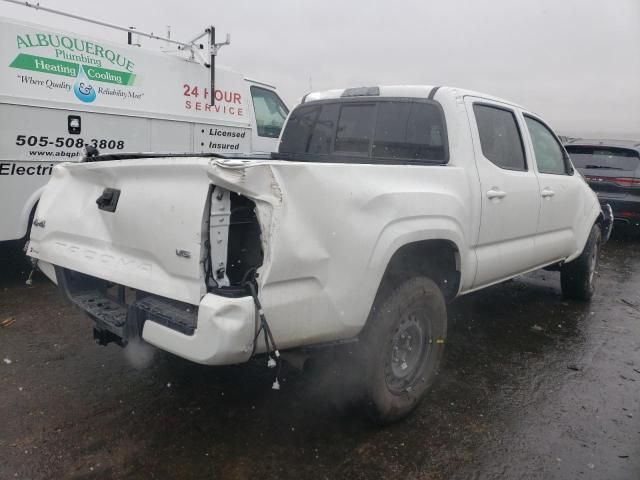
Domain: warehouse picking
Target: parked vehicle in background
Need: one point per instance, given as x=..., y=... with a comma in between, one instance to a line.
x=612, y=168
x=381, y=205
x=60, y=92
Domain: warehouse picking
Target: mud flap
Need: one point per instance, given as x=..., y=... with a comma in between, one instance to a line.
x=607, y=222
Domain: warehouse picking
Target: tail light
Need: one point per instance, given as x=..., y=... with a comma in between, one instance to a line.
x=620, y=181
x=627, y=182
x=627, y=214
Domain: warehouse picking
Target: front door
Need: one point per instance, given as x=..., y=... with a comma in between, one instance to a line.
x=510, y=194
x=560, y=194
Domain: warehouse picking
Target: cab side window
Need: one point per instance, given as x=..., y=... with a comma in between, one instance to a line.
x=550, y=157
x=500, y=137
x=270, y=112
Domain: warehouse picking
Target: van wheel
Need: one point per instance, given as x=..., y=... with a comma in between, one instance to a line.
x=402, y=345
x=577, y=277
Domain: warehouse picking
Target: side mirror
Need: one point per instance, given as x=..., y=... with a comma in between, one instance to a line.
x=567, y=162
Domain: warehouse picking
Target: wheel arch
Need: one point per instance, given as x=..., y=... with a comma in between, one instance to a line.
x=436, y=258
x=424, y=236
x=583, y=229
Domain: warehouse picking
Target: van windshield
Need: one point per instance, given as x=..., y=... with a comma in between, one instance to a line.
x=270, y=111
x=365, y=131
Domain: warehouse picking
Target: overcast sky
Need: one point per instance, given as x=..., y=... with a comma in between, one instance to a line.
x=575, y=62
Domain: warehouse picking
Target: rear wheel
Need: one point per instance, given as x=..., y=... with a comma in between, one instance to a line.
x=577, y=277
x=403, y=343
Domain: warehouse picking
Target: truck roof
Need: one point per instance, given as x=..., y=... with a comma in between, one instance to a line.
x=407, y=91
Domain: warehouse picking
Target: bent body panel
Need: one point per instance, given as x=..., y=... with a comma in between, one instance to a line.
x=329, y=231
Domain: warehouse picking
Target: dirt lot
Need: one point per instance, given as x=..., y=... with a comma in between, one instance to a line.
x=531, y=387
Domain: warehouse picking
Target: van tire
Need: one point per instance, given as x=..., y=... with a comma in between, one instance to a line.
x=405, y=331
x=577, y=277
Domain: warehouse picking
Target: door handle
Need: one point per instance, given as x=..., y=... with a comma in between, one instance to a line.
x=547, y=193
x=494, y=193
x=108, y=201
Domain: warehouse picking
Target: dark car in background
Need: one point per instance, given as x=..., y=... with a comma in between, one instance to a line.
x=612, y=168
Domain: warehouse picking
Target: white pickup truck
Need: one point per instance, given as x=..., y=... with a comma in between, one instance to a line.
x=382, y=205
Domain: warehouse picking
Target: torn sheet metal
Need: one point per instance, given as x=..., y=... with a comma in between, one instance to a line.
x=328, y=231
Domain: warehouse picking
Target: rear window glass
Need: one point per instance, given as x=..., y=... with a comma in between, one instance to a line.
x=603, y=158
x=383, y=131
x=355, y=128
x=408, y=130
x=297, y=133
x=322, y=134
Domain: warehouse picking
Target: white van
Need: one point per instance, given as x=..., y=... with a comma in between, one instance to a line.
x=60, y=92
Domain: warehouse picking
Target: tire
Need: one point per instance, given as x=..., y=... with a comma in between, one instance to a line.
x=402, y=346
x=577, y=277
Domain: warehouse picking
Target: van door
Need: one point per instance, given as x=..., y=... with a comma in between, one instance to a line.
x=510, y=195
x=560, y=193
x=269, y=113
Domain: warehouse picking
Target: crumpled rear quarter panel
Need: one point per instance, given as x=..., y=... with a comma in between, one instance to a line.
x=329, y=230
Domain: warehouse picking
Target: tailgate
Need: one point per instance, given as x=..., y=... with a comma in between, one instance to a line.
x=152, y=239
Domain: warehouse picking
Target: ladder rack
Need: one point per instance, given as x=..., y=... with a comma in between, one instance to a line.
x=192, y=46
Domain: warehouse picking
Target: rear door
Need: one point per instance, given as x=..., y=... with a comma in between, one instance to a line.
x=509, y=192
x=560, y=193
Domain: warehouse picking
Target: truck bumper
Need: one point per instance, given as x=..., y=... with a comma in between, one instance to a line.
x=625, y=212
x=223, y=336
x=218, y=331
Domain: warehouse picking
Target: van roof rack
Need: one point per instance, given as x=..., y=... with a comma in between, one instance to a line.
x=192, y=47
